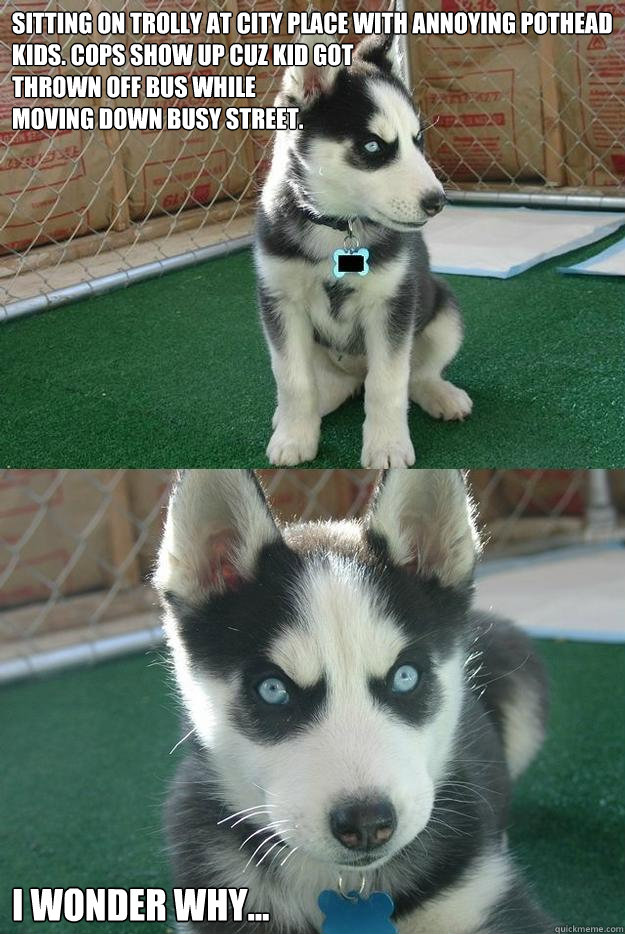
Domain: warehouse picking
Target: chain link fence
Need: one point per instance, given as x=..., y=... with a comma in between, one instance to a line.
x=514, y=119
x=77, y=546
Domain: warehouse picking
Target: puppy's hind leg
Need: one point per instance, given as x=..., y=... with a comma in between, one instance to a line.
x=333, y=384
x=433, y=348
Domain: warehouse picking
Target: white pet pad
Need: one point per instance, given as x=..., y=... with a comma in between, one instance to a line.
x=575, y=593
x=610, y=262
x=502, y=242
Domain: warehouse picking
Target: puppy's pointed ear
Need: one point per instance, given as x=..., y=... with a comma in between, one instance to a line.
x=303, y=84
x=382, y=52
x=217, y=523
x=426, y=519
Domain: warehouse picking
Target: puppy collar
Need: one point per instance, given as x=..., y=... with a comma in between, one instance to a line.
x=336, y=223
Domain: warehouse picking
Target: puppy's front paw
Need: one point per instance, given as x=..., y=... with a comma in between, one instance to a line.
x=380, y=449
x=292, y=443
x=441, y=399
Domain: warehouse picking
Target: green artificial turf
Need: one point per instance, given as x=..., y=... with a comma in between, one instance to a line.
x=85, y=759
x=174, y=372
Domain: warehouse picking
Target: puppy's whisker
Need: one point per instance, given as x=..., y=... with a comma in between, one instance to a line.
x=429, y=123
x=180, y=742
x=241, y=820
x=441, y=809
x=289, y=855
x=456, y=830
x=264, y=790
x=272, y=847
x=259, y=847
x=276, y=855
x=255, y=807
x=271, y=826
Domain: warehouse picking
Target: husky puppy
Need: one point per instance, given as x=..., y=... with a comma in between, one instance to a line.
x=357, y=158
x=351, y=717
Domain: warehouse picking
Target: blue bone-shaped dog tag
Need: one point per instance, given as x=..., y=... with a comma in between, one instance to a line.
x=351, y=261
x=356, y=915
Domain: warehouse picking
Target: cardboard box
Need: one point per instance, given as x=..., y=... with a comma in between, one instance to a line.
x=53, y=185
x=8, y=38
x=48, y=516
x=590, y=71
x=259, y=143
x=168, y=170
x=483, y=93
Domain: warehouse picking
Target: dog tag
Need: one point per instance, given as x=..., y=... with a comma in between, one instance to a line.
x=352, y=914
x=351, y=261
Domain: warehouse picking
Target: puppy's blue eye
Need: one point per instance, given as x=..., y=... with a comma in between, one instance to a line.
x=405, y=679
x=273, y=691
x=372, y=146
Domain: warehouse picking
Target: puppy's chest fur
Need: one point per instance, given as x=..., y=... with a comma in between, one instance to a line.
x=462, y=907
x=341, y=310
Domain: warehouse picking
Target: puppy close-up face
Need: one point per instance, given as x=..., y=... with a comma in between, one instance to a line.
x=324, y=665
x=360, y=149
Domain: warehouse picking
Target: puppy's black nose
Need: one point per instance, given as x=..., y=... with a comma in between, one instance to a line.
x=433, y=202
x=363, y=825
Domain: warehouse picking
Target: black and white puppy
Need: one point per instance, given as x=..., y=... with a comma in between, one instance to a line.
x=350, y=715
x=359, y=156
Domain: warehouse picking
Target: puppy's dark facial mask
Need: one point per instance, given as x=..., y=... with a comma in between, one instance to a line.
x=234, y=634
